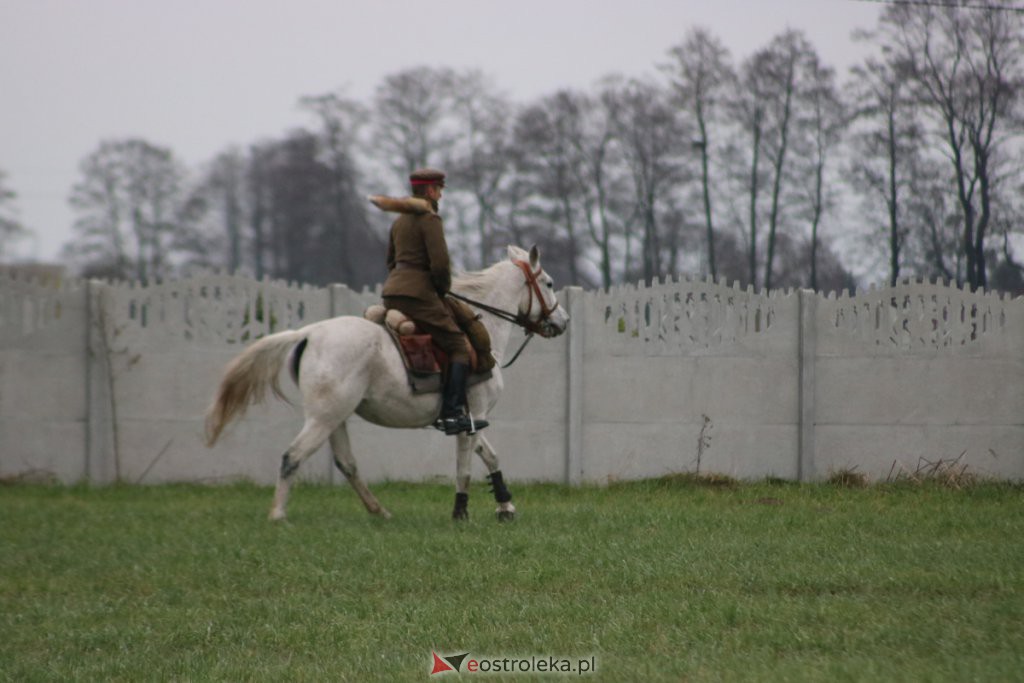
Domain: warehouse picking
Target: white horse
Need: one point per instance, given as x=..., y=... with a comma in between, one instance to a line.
x=349, y=365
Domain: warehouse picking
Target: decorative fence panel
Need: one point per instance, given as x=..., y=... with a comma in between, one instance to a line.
x=689, y=376
x=920, y=373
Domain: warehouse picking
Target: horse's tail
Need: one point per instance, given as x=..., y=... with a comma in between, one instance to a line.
x=247, y=378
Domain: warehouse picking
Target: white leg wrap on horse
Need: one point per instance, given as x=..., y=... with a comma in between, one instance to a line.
x=487, y=453
x=463, y=457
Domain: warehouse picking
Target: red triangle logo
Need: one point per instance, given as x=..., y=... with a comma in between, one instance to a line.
x=440, y=665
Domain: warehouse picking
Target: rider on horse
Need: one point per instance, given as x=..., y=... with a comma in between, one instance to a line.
x=419, y=278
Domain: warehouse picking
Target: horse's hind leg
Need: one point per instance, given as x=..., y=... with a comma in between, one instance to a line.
x=506, y=510
x=310, y=438
x=346, y=462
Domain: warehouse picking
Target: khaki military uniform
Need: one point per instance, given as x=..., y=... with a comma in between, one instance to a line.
x=419, y=275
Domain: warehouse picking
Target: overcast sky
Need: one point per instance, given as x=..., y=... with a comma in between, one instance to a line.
x=199, y=75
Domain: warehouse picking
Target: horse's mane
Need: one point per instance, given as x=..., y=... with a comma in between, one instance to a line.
x=476, y=284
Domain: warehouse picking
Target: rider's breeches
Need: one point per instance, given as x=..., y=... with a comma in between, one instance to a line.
x=435, y=319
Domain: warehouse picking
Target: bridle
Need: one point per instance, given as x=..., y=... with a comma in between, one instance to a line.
x=522, y=319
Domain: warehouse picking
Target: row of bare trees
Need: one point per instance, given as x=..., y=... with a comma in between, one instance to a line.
x=740, y=171
x=943, y=159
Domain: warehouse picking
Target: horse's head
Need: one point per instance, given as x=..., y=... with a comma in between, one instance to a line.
x=539, y=310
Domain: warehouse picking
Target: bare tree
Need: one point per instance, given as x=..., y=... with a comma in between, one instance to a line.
x=702, y=76
x=479, y=162
x=569, y=152
x=129, y=200
x=548, y=161
x=258, y=184
x=886, y=149
x=412, y=127
x=824, y=121
x=601, y=173
x=934, y=244
x=793, y=262
x=651, y=134
x=902, y=187
x=772, y=107
x=11, y=228
x=294, y=197
x=746, y=111
x=217, y=209
x=512, y=212
x=1008, y=276
x=784, y=64
x=348, y=235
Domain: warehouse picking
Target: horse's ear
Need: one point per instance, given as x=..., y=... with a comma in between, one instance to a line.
x=516, y=253
x=534, y=257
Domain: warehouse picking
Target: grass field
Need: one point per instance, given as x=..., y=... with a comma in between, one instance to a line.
x=656, y=581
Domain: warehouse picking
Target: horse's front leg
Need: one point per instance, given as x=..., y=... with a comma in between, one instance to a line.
x=506, y=510
x=463, y=457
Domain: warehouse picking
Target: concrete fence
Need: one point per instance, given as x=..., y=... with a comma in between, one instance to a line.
x=106, y=383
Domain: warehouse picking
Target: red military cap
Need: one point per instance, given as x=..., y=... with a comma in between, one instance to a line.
x=427, y=176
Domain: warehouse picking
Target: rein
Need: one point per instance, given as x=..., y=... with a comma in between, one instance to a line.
x=521, y=319
x=504, y=315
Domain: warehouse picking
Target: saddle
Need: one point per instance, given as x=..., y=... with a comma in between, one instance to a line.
x=426, y=363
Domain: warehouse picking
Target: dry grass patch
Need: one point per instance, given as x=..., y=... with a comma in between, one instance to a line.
x=949, y=473
x=849, y=478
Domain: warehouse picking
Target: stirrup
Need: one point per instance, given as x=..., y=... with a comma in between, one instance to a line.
x=459, y=424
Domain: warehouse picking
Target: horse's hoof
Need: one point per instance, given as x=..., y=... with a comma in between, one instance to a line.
x=382, y=513
x=276, y=515
x=460, y=513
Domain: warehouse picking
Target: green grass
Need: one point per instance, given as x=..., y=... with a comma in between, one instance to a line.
x=660, y=581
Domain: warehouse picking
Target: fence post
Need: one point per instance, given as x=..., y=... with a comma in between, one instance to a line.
x=807, y=348
x=340, y=301
x=574, y=465
x=100, y=437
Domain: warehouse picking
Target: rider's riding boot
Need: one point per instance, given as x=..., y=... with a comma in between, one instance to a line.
x=454, y=417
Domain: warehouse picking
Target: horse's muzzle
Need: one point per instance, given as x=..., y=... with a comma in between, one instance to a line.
x=556, y=324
